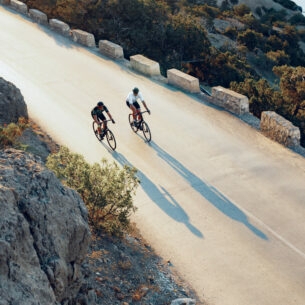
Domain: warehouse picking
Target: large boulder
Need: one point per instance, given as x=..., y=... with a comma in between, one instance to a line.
x=44, y=234
x=12, y=104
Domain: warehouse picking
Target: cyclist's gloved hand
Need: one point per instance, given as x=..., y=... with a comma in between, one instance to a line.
x=148, y=111
x=113, y=121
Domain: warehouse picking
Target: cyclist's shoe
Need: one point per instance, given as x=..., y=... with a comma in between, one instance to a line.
x=135, y=124
x=102, y=134
x=138, y=123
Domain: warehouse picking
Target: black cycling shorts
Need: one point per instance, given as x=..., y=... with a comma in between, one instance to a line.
x=136, y=104
x=100, y=117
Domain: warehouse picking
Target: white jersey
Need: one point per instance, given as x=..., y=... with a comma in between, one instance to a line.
x=131, y=98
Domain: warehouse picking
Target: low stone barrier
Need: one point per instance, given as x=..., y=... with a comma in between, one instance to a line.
x=230, y=100
x=5, y=2
x=279, y=129
x=38, y=16
x=83, y=37
x=183, y=80
x=145, y=65
x=111, y=49
x=19, y=6
x=60, y=26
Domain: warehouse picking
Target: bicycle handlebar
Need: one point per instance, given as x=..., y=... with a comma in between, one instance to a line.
x=144, y=111
x=101, y=122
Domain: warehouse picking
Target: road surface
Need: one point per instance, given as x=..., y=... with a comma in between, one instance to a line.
x=219, y=200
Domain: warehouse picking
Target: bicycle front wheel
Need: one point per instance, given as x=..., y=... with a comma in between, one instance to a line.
x=146, y=131
x=95, y=130
x=130, y=118
x=111, y=139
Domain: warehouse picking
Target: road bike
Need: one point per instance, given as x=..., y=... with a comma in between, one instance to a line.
x=108, y=134
x=140, y=125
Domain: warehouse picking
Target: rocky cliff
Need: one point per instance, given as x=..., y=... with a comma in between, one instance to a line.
x=44, y=234
x=12, y=104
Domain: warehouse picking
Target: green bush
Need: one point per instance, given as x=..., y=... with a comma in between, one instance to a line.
x=297, y=19
x=10, y=133
x=105, y=188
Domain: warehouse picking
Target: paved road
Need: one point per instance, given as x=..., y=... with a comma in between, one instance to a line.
x=223, y=203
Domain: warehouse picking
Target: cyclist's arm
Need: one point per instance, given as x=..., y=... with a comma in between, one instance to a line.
x=130, y=98
x=96, y=119
x=140, y=96
x=110, y=116
x=144, y=104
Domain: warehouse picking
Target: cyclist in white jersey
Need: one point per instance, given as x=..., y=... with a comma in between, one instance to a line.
x=132, y=103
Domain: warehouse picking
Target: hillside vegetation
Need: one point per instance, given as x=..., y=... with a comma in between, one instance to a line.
x=257, y=50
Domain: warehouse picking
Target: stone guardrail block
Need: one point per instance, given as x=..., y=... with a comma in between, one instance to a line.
x=83, y=37
x=38, y=16
x=183, y=80
x=145, y=65
x=60, y=26
x=19, y=6
x=111, y=49
x=279, y=129
x=230, y=100
x=5, y=2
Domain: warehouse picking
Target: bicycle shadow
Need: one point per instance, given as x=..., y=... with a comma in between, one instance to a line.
x=209, y=192
x=105, y=144
x=164, y=200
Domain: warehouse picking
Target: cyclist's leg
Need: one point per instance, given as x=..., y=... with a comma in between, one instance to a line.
x=130, y=107
x=138, y=111
x=98, y=125
x=139, y=116
x=104, y=125
x=99, y=129
x=134, y=112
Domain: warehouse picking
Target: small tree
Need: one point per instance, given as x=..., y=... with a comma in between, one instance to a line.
x=292, y=85
x=241, y=9
x=105, y=188
x=278, y=57
x=261, y=96
x=251, y=39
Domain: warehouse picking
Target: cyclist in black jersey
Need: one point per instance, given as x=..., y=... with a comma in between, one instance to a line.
x=99, y=118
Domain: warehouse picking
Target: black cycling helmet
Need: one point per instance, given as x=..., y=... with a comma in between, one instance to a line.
x=135, y=90
x=100, y=103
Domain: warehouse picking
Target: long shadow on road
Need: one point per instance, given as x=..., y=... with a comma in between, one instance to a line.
x=161, y=197
x=210, y=193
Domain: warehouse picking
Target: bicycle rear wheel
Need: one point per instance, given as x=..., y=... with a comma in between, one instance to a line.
x=111, y=139
x=130, y=118
x=95, y=130
x=146, y=131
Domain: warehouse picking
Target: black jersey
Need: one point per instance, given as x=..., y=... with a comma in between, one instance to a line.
x=99, y=112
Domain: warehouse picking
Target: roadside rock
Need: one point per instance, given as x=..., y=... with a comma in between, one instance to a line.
x=12, y=105
x=37, y=142
x=44, y=234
